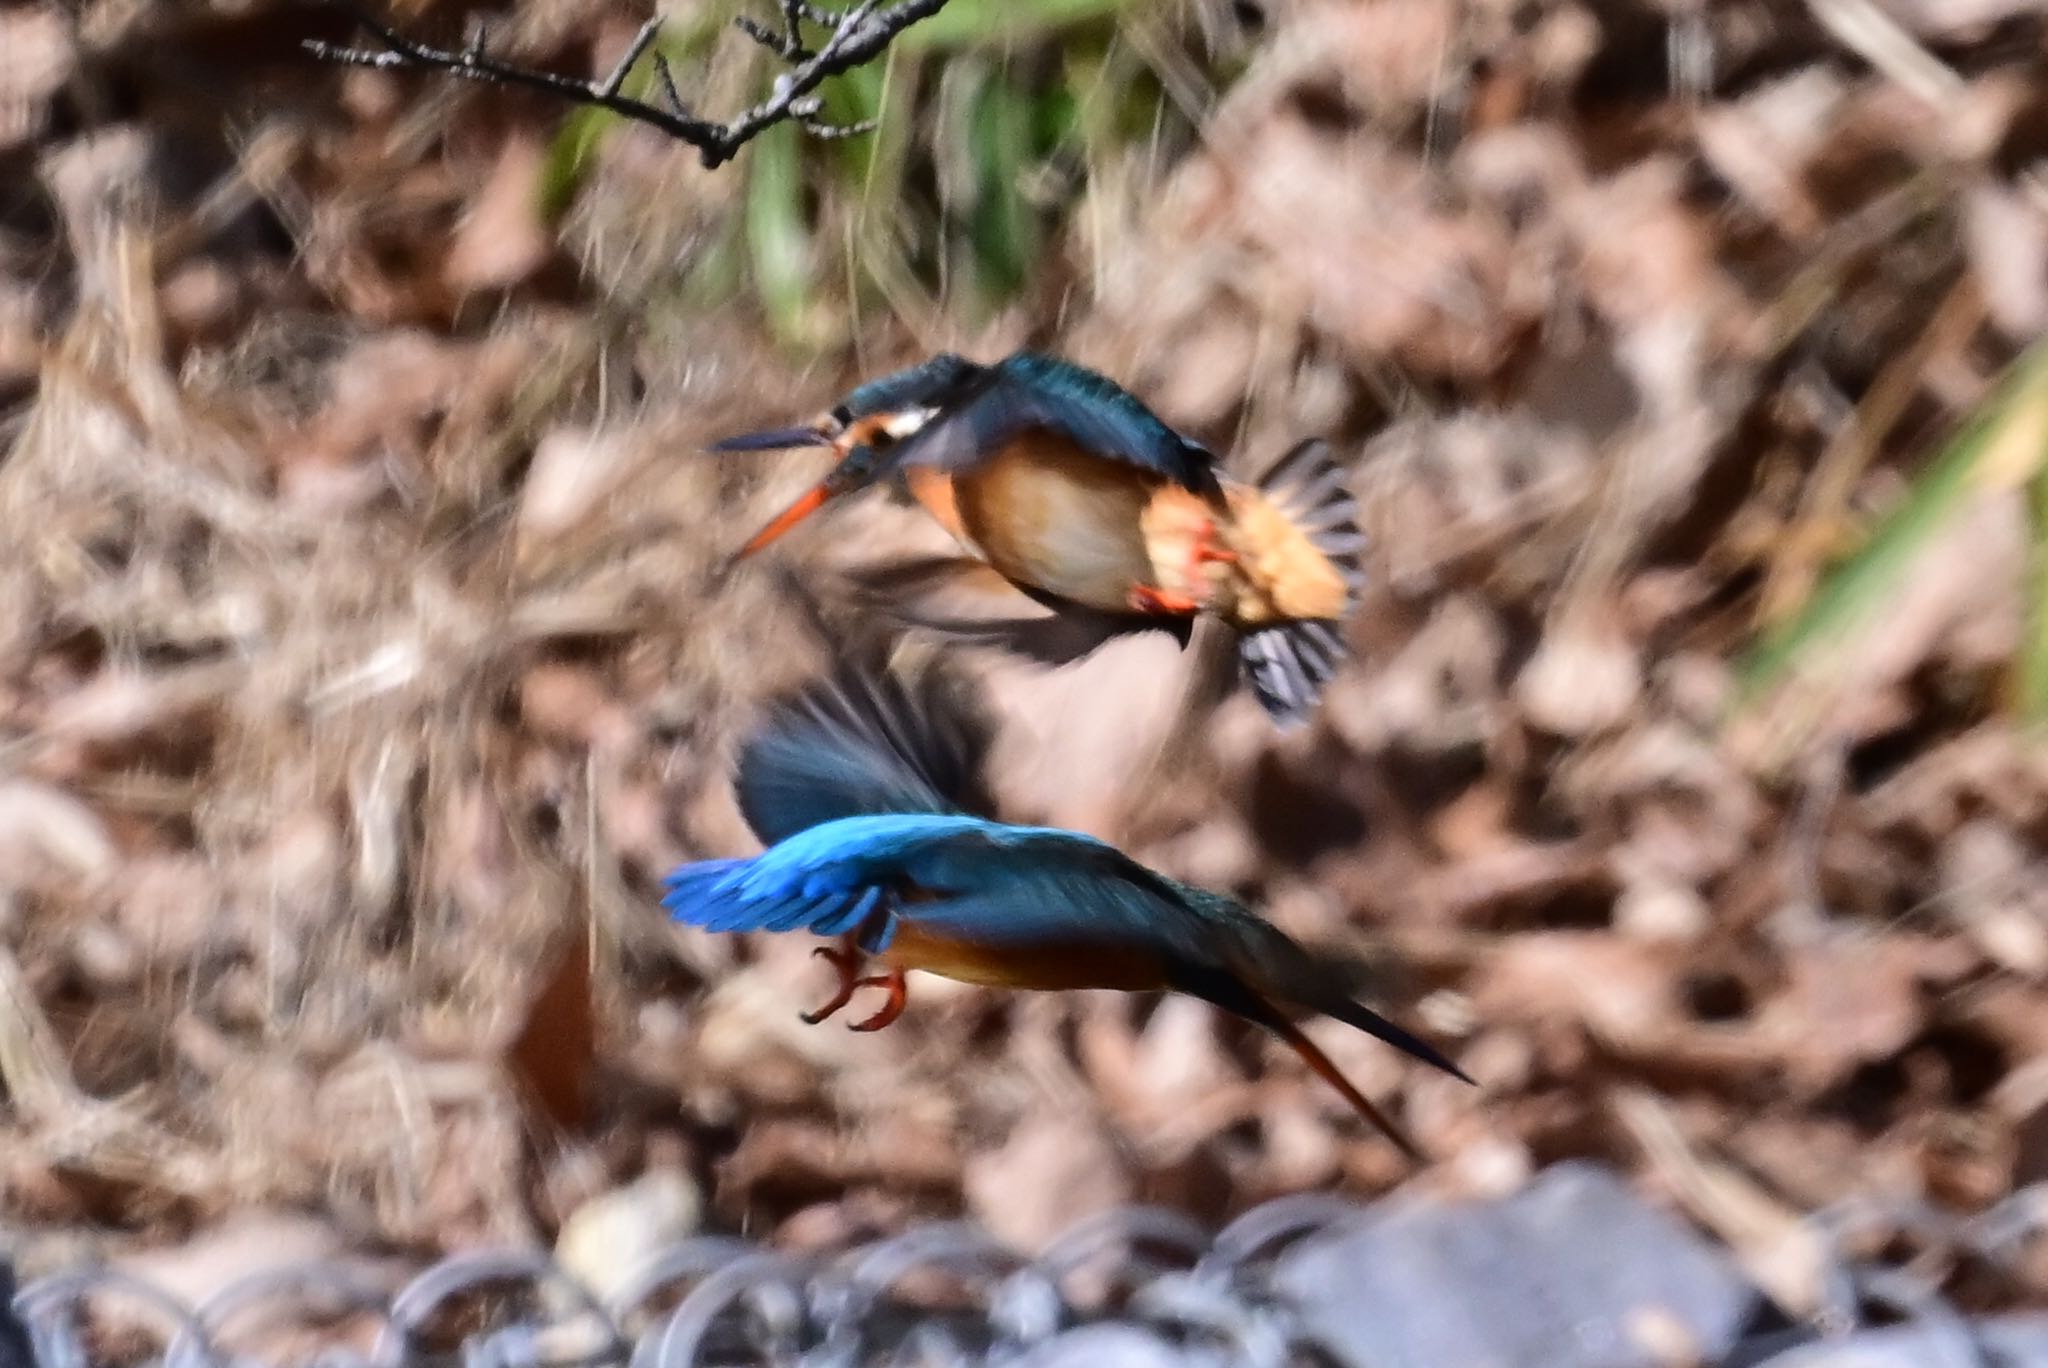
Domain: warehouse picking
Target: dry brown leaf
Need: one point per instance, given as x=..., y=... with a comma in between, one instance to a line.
x=554, y=1054
x=502, y=239
x=1619, y=990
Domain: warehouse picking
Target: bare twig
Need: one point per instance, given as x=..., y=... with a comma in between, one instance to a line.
x=858, y=35
x=789, y=43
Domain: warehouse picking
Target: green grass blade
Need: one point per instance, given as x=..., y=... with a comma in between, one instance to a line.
x=2033, y=662
x=2004, y=445
x=569, y=156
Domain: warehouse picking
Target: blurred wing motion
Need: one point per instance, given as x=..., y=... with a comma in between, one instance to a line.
x=970, y=601
x=860, y=785
x=863, y=743
x=1033, y=393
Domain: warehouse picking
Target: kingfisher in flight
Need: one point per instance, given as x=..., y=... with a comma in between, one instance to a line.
x=866, y=791
x=1085, y=500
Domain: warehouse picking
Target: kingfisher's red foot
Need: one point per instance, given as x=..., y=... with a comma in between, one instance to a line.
x=847, y=961
x=899, y=994
x=1149, y=599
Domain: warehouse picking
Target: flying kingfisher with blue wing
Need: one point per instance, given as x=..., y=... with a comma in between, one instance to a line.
x=1082, y=498
x=867, y=791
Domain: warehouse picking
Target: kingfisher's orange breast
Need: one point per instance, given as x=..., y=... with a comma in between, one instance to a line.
x=1051, y=516
x=1045, y=965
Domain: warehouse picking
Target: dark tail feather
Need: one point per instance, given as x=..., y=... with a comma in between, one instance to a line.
x=1288, y=664
x=1225, y=989
x=1308, y=486
x=1373, y=1024
x=1267, y=956
x=1312, y=1055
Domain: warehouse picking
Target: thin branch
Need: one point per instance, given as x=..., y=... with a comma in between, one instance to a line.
x=668, y=83
x=858, y=35
x=830, y=131
x=788, y=44
x=642, y=40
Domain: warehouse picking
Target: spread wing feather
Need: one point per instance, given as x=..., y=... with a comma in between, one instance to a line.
x=863, y=743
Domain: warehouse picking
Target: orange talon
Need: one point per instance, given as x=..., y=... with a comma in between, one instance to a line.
x=1148, y=599
x=899, y=994
x=846, y=960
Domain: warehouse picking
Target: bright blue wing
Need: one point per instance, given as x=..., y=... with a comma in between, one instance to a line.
x=832, y=878
x=959, y=876
x=994, y=886
x=863, y=743
x=1034, y=393
x=728, y=895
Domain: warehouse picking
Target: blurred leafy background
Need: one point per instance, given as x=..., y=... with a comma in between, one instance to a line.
x=990, y=118
x=366, y=664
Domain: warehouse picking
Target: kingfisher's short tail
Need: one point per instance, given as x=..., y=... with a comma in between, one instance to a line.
x=1288, y=663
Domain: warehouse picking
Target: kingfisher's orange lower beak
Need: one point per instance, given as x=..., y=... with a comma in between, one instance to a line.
x=813, y=500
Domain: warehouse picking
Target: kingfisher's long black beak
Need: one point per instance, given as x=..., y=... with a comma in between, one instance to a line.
x=774, y=439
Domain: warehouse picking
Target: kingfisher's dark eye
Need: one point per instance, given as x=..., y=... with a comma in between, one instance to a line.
x=881, y=439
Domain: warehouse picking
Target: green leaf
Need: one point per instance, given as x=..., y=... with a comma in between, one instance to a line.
x=1056, y=117
x=856, y=97
x=2003, y=446
x=1004, y=229
x=778, y=238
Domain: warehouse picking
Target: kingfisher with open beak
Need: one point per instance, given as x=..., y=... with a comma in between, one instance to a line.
x=1080, y=496
x=864, y=790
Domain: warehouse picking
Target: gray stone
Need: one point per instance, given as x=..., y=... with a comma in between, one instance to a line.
x=1574, y=1271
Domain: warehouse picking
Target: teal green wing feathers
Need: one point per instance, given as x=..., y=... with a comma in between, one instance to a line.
x=1029, y=392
